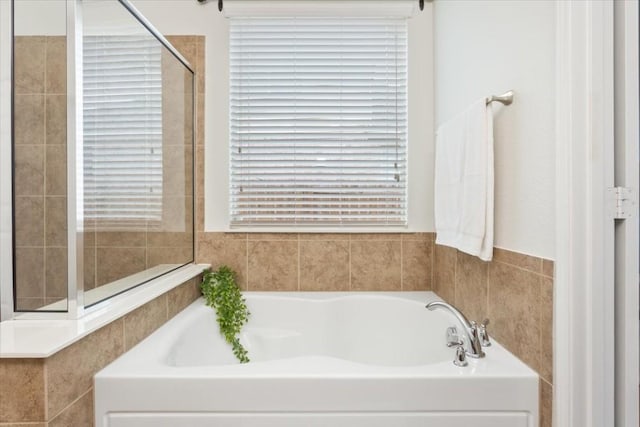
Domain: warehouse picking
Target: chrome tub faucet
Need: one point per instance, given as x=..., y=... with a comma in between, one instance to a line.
x=471, y=343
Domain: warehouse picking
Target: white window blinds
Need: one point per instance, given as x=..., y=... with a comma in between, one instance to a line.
x=122, y=131
x=318, y=121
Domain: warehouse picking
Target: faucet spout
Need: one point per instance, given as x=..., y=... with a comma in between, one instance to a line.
x=473, y=347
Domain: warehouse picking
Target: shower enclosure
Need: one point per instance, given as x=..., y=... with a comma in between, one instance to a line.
x=103, y=159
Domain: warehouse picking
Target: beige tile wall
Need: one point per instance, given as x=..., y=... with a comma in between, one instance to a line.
x=40, y=168
x=515, y=292
x=322, y=262
x=58, y=391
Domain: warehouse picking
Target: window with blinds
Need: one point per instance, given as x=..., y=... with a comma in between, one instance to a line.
x=122, y=97
x=318, y=122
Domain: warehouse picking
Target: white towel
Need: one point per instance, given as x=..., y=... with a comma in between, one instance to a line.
x=464, y=182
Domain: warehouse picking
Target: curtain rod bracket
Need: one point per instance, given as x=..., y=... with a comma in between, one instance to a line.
x=220, y=5
x=421, y=4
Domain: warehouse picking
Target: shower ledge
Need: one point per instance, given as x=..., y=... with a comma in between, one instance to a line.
x=23, y=338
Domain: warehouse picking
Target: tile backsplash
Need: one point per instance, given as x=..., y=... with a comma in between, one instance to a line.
x=323, y=262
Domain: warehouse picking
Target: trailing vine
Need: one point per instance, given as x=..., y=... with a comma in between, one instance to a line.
x=222, y=293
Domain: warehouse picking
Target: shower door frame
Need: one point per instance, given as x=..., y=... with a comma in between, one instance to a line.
x=6, y=167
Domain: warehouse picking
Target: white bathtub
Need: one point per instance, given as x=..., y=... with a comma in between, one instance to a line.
x=317, y=359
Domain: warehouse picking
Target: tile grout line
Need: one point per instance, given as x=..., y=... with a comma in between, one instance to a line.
x=488, y=299
x=401, y=263
x=350, y=257
x=298, y=235
x=76, y=400
x=540, y=284
x=124, y=334
x=45, y=372
x=246, y=259
x=44, y=172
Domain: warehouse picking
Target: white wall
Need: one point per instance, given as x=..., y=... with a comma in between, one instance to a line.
x=40, y=17
x=174, y=17
x=487, y=47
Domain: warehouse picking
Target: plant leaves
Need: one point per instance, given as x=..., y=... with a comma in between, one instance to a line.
x=222, y=293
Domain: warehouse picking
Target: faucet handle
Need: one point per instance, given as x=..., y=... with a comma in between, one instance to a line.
x=483, y=334
x=452, y=337
x=461, y=357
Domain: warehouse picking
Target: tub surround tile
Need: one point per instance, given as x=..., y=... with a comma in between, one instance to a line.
x=116, y=263
x=29, y=119
x=56, y=221
x=224, y=251
x=444, y=280
x=272, y=236
x=547, y=267
x=70, y=371
x=199, y=214
x=224, y=236
x=179, y=298
x=417, y=264
x=29, y=63
x=430, y=237
x=56, y=272
x=375, y=265
x=200, y=119
x=29, y=220
x=516, y=259
x=200, y=59
x=376, y=236
x=141, y=322
x=78, y=414
x=186, y=45
x=200, y=167
x=56, y=64
x=157, y=256
x=546, y=404
x=56, y=173
x=273, y=265
x=23, y=424
x=89, y=267
x=168, y=239
x=56, y=120
x=324, y=265
x=471, y=286
x=121, y=239
x=30, y=272
x=23, y=378
x=518, y=298
x=324, y=236
x=29, y=170
x=546, y=330
x=514, y=310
